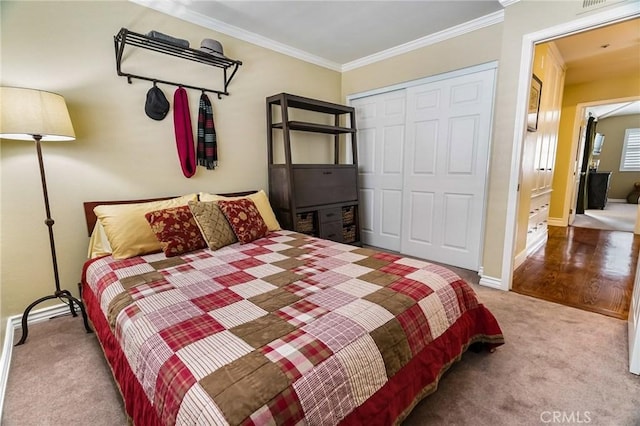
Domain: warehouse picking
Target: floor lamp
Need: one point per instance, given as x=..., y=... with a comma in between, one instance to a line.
x=29, y=114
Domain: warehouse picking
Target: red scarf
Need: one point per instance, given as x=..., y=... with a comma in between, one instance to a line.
x=184, y=133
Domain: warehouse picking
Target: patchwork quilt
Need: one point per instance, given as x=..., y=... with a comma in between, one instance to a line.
x=288, y=329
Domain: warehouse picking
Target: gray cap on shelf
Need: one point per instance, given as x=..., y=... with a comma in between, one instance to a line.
x=212, y=47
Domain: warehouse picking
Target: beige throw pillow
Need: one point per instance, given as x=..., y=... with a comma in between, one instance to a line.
x=127, y=229
x=213, y=224
x=261, y=201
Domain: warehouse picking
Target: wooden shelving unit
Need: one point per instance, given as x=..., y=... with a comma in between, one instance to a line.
x=317, y=199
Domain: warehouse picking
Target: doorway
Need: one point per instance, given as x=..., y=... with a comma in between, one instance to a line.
x=603, y=49
x=611, y=203
x=590, y=269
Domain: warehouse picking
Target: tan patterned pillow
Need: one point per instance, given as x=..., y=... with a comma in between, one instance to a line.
x=213, y=224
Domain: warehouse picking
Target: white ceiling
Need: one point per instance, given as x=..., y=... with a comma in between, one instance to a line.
x=343, y=31
x=331, y=33
x=615, y=109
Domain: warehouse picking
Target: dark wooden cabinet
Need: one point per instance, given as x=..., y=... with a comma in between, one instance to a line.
x=316, y=199
x=597, y=189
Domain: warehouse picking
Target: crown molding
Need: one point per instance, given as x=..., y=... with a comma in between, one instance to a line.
x=458, y=30
x=179, y=11
x=506, y=3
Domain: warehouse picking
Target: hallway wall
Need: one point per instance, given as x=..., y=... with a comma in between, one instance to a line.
x=613, y=128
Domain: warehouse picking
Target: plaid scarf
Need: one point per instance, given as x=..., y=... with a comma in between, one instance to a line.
x=207, y=141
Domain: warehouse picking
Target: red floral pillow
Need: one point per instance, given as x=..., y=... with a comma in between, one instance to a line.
x=244, y=218
x=177, y=230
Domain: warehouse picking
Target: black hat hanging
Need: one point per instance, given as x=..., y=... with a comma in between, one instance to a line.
x=157, y=105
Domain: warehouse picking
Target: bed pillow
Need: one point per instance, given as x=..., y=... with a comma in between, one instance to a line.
x=261, y=201
x=213, y=224
x=177, y=230
x=127, y=229
x=98, y=243
x=244, y=218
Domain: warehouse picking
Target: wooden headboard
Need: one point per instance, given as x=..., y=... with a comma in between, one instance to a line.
x=91, y=219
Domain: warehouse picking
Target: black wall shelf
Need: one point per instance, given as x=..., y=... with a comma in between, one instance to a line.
x=126, y=37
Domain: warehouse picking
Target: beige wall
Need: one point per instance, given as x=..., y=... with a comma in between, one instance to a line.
x=613, y=128
x=119, y=152
x=593, y=92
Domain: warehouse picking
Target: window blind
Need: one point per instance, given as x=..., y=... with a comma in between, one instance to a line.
x=630, y=160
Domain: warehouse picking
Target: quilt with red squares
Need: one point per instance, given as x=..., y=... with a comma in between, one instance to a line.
x=287, y=330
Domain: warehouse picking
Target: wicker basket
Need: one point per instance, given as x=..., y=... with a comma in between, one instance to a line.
x=348, y=215
x=304, y=222
x=349, y=234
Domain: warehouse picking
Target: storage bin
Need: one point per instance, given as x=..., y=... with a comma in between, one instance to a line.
x=348, y=214
x=349, y=234
x=304, y=222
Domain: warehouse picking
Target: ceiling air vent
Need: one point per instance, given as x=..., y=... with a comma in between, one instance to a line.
x=591, y=5
x=586, y=4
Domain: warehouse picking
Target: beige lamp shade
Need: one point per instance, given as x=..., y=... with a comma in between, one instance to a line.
x=28, y=112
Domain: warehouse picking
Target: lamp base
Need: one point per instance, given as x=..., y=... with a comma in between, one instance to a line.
x=59, y=294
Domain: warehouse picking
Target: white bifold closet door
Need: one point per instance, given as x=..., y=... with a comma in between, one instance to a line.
x=380, y=121
x=423, y=160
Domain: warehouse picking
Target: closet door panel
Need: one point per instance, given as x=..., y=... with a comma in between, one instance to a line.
x=381, y=142
x=423, y=160
x=421, y=219
x=448, y=128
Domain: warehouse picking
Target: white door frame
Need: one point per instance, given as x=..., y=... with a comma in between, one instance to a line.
x=570, y=203
x=528, y=40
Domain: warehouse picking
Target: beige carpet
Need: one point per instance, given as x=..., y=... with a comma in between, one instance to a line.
x=558, y=361
x=614, y=217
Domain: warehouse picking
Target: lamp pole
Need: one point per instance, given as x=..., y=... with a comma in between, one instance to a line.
x=58, y=294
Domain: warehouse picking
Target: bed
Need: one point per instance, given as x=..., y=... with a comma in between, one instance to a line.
x=285, y=329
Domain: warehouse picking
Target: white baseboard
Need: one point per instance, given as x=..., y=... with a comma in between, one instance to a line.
x=616, y=200
x=539, y=242
x=491, y=282
x=5, y=362
x=13, y=323
x=519, y=259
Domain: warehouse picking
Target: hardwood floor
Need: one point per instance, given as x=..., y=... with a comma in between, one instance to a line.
x=588, y=269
